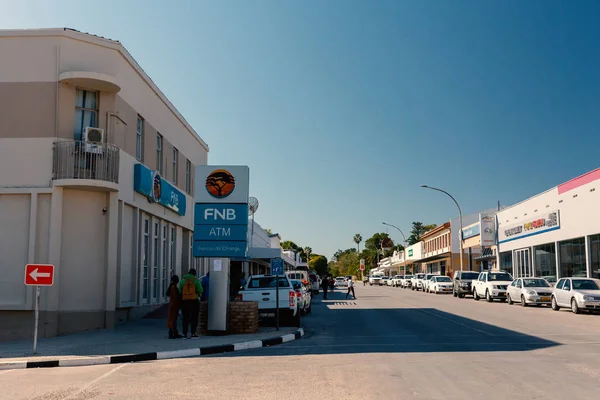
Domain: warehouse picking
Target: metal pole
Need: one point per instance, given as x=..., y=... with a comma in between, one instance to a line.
x=37, y=317
x=277, y=300
x=405, y=243
x=460, y=216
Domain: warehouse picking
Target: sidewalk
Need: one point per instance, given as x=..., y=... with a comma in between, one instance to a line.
x=143, y=336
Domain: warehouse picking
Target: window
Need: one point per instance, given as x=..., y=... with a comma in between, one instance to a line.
x=175, y=163
x=560, y=283
x=545, y=260
x=506, y=262
x=155, y=275
x=595, y=255
x=173, y=250
x=188, y=177
x=145, y=256
x=572, y=258
x=86, y=112
x=139, y=139
x=165, y=253
x=159, y=154
x=567, y=285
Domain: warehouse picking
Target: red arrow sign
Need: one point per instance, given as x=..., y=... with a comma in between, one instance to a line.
x=39, y=275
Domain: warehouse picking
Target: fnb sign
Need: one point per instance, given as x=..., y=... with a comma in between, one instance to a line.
x=221, y=214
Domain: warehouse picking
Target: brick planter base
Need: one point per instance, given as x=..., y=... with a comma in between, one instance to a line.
x=242, y=317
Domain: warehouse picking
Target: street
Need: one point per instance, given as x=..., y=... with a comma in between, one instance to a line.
x=390, y=343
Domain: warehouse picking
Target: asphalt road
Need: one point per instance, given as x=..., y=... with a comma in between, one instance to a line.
x=390, y=343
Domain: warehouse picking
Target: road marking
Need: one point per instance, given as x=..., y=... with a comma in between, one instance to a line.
x=98, y=379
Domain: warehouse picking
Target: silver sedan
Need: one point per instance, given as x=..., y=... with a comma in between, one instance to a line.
x=529, y=291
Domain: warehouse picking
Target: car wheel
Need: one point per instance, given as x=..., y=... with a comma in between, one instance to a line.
x=554, y=305
x=510, y=302
x=488, y=296
x=475, y=295
x=461, y=295
x=523, y=302
x=574, y=306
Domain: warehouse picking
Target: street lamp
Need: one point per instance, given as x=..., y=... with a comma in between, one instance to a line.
x=460, y=216
x=403, y=237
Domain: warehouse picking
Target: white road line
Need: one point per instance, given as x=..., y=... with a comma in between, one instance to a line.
x=98, y=379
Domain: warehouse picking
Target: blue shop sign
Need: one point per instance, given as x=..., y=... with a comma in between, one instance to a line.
x=220, y=249
x=221, y=232
x=221, y=214
x=472, y=231
x=156, y=189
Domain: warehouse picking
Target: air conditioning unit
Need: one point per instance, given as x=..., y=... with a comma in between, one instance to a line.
x=93, y=138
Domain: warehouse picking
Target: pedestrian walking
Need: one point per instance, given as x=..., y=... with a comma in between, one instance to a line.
x=331, y=283
x=190, y=289
x=205, y=281
x=173, y=308
x=350, y=289
x=325, y=286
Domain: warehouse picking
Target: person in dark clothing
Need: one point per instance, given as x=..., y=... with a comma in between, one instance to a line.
x=174, y=305
x=205, y=281
x=325, y=286
x=331, y=283
x=190, y=289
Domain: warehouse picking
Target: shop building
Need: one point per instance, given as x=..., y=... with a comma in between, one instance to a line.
x=437, y=250
x=480, y=249
x=554, y=234
x=414, y=254
x=96, y=175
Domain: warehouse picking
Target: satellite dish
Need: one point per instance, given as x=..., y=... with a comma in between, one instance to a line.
x=252, y=205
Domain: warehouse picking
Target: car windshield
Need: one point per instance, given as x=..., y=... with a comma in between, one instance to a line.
x=585, y=284
x=443, y=279
x=535, y=283
x=339, y=279
x=267, y=282
x=498, y=276
x=408, y=277
x=469, y=275
x=420, y=276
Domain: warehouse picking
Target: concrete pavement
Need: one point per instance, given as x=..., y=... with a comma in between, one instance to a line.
x=389, y=344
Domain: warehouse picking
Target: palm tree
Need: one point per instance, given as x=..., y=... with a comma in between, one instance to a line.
x=357, y=239
x=307, y=252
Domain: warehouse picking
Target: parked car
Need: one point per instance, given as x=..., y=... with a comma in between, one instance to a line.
x=425, y=281
x=375, y=279
x=492, y=285
x=529, y=291
x=340, y=281
x=416, y=281
x=262, y=289
x=304, y=296
x=406, y=281
x=390, y=281
x=397, y=280
x=384, y=281
x=301, y=275
x=461, y=284
x=314, y=283
x=440, y=284
x=577, y=294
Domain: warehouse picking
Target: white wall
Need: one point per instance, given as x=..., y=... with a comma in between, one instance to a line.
x=26, y=162
x=259, y=238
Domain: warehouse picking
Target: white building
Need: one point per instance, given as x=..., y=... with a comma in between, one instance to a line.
x=555, y=233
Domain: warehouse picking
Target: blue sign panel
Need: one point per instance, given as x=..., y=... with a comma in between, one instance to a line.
x=276, y=266
x=472, y=231
x=156, y=189
x=219, y=249
x=221, y=232
x=221, y=214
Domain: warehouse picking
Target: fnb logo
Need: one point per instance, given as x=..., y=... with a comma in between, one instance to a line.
x=219, y=214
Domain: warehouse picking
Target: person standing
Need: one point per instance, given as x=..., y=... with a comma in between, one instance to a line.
x=325, y=286
x=174, y=305
x=190, y=289
x=350, y=289
x=205, y=281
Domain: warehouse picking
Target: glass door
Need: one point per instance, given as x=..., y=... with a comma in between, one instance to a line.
x=522, y=263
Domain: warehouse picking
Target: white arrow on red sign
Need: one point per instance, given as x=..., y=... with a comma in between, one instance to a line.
x=35, y=274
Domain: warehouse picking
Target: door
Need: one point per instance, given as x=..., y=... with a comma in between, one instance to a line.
x=512, y=289
x=522, y=263
x=564, y=296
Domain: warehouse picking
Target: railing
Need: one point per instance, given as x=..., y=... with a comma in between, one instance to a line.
x=82, y=160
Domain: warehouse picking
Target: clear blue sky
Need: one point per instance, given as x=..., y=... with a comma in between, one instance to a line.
x=343, y=108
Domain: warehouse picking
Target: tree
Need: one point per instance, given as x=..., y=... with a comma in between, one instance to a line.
x=268, y=231
x=357, y=239
x=418, y=229
x=318, y=263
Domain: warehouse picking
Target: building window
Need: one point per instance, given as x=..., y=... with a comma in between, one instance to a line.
x=188, y=177
x=173, y=250
x=175, y=164
x=164, y=258
x=572, y=258
x=506, y=262
x=595, y=255
x=545, y=260
x=86, y=112
x=139, y=139
x=146, y=256
x=159, y=154
x=155, y=259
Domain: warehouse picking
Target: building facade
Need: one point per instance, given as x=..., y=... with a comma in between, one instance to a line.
x=96, y=176
x=437, y=250
x=554, y=234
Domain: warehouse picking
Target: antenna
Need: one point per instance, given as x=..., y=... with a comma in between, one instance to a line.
x=252, y=205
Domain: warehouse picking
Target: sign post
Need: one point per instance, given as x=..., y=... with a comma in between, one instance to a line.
x=362, y=268
x=277, y=269
x=38, y=275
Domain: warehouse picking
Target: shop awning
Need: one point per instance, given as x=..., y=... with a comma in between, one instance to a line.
x=487, y=254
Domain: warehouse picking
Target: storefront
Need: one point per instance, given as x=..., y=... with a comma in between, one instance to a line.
x=414, y=254
x=479, y=243
x=554, y=234
x=437, y=250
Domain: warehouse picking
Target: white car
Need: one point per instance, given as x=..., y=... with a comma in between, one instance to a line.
x=416, y=282
x=406, y=281
x=440, y=284
x=425, y=281
x=303, y=295
x=397, y=281
x=375, y=279
x=529, y=291
x=384, y=281
x=340, y=281
x=577, y=294
x=491, y=285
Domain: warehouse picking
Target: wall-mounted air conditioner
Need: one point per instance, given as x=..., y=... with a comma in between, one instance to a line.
x=93, y=139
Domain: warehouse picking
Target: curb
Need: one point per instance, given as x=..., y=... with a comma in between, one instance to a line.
x=160, y=355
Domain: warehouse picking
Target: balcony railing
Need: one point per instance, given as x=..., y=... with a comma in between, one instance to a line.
x=83, y=160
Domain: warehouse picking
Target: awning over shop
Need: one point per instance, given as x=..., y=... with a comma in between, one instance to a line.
x=488, y=253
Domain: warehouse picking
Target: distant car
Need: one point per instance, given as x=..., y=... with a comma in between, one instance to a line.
x=577, y=294
x=340, y=281
x=416, y=281
x=304, y=296
x=384, y=281
x=440, y=284
x=529, y=291
x=397, y=281
x=425, y=281
x=375, y=279
x=462, y=283
x=314, y=283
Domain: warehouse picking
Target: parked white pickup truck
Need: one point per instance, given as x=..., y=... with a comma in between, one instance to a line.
x=492, y=285
x=375, y=279
x=261, y=288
